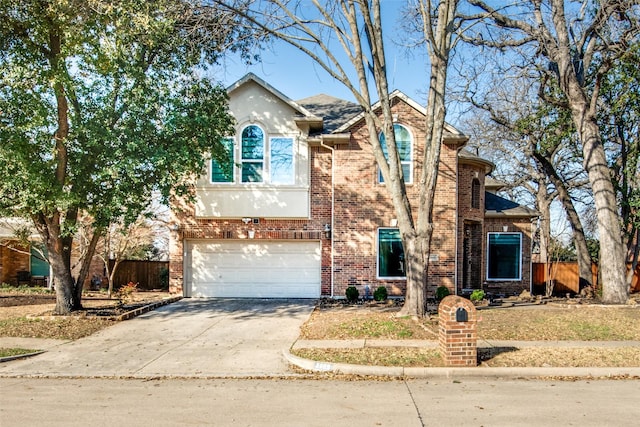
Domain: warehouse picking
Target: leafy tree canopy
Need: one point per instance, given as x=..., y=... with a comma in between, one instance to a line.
x=100, y=103
x=103, y=102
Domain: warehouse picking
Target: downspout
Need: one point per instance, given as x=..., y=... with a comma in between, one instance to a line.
x=457, y=236
x=322, y=144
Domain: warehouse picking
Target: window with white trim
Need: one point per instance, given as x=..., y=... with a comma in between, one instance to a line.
x=281, y=170
x=404, y=144
x=391, y=262
x=222, y=166
x=504, y=256
x=252, y=154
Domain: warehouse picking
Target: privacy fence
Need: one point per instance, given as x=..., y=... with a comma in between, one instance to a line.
x=147, y=274
x=566, y=278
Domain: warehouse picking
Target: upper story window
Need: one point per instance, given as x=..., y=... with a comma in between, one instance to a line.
x=260, y=161
x=404, y=144
x=504, y=256
x=252, y=154
x=281, y=169
x=475, y=193
x=222, y=167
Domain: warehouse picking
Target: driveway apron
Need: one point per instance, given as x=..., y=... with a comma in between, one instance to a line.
x=190, y=338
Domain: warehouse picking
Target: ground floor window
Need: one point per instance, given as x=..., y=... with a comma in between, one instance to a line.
x=504, y=256
x=391, y=263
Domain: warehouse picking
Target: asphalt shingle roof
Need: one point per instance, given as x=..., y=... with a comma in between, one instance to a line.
x=334, y=111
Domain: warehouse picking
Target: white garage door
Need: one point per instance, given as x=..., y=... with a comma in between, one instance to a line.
x=253, y=270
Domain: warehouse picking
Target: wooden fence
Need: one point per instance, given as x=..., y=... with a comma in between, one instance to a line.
x=147, y=274
x=565, y=276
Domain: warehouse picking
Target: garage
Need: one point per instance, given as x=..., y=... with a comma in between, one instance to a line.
x=241, y=269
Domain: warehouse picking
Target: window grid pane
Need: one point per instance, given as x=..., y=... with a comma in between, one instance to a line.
x=252, y=153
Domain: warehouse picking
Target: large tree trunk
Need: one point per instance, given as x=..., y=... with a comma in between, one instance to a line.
x=612, y=262
x=417, y=273
x=612, y=253
x=59, y=247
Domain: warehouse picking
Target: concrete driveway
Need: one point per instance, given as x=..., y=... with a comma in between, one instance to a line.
x=193, y=337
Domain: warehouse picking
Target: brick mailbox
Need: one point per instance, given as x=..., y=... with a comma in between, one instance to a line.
x=457, y=333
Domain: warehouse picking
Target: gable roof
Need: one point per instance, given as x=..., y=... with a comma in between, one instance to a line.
x=304, y=114
x=450, y=131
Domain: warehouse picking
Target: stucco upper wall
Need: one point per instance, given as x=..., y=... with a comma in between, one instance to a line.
x=252, y=104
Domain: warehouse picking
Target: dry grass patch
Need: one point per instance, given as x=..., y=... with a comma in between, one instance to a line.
x=583, y=323
x=538, y=323
x=562, y=357
x=62, y=328
x=27, y=313
x=382, y=356
x=358, y=323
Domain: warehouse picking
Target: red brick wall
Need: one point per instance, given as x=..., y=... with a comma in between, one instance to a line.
x=362, y=206
x=12, y=261
x=472, y=219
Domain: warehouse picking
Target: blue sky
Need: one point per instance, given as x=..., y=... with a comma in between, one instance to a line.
x=297, y=76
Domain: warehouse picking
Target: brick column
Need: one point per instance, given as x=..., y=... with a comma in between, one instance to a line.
x=457, y=334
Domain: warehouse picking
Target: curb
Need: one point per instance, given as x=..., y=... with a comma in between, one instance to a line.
x=462, y=372
x=20, y=356
x=144, y=309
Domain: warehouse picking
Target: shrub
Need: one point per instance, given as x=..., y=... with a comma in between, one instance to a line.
x=477, y=295
x=125, y=293
x=380, y=294
x=352, y=294
x=442, y=292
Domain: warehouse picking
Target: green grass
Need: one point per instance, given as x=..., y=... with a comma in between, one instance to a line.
x=9, y=352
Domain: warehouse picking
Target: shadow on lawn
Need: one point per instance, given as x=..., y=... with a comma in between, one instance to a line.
x=488, y=353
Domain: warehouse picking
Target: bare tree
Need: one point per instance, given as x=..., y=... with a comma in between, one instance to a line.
x=580, y=48
x=356, y=26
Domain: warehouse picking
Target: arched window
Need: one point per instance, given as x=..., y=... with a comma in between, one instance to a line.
x=404, y=144
x=252, y=156
x=475, y=193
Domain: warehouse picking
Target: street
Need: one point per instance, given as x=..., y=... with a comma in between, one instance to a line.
x=322, y=402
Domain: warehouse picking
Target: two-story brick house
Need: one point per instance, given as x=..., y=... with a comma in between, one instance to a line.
x=298, y=209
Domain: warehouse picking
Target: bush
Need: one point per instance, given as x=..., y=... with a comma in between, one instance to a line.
x=477, y=295
x=125, y=293
x=442, y=292
x=352, y=294
x=380, y=294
